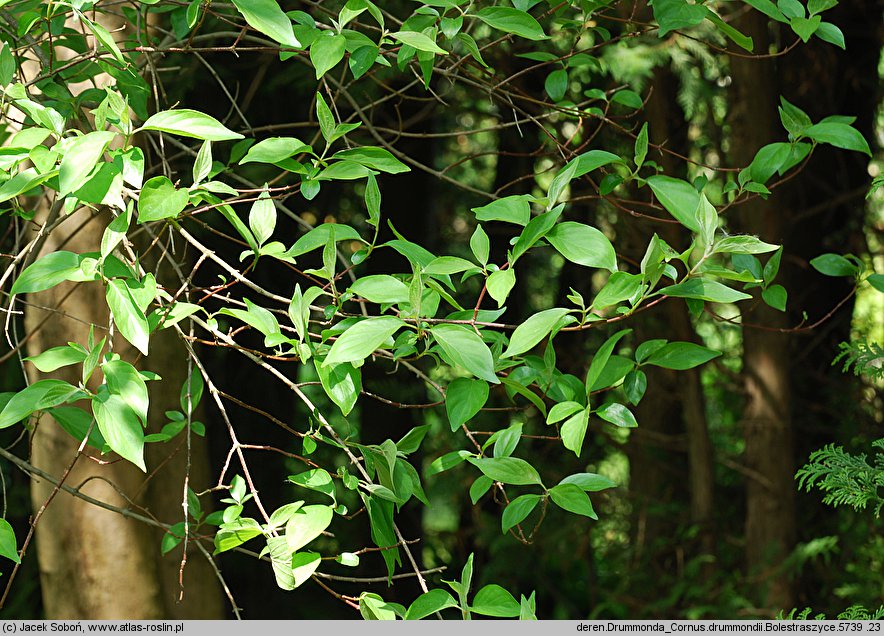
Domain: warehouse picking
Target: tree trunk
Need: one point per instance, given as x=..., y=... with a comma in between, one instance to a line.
x=96, y=564
x=666, y=125
x=770, y=496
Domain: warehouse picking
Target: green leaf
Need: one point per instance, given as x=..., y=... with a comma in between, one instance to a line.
x=512, y=21
x=479, y=488
x=703, y=289
x=769, y=9
x=411, y=441
x=464, y=348
x=373, y=608
x=600, y=359
x=876, y=281
x=234, y=534
x=191, y=391
x=562, y=410
x=373, y=200
x=743, y=245
x=677, y=14
x=77, y=422
x=8, y=65
x=572, y=498
x=8, y=547
x=830, y=33
x=267, y=17
x=447, y=462
x=791, y=8
x=190, y=123
x=480, y=245
x=124, y=380
x=80, y=158
x=647, y=348
x=306, y=524
x=556, y=84
x=343, y=171
x=418, y=41
x=471, y=46
x=326, y=51
x=775, y=296
x=533, y=330
x=257, y=317
x=742, y=40
x=202, y=165
x=36, y=397
x=620, y=286
x=319, y=236
x=679, y=198
x=589, y=482
x=834, y=265
x=839, y=135
x=120, y=427
x=514, y=386
x=47, y=272
x=536, y=229
x=281, y=562
x=129, y=319
x=500, y=284
x=772, y=267
x=573, y=431
x=615, y=370
x=374, y=158
x=493, y=600
x=768, y=161
x=506, y=440
x=589, y=161
x=641, y=146
x=681, y=356
x=381, y=288
x=464, y=398
x=507, y=470
x=262, y=217
x=274, y=150
x=445, y=265
x=634, y=385
x=429, y=603
x=618, y=415
x=805, y=27
x=20, y=183
x=819, y=6
x=318, y=480
x=350, y=559
x=57, y=357
x=517, y=511
x=303, y=565
x=342, y=383
x=795, y=120
x=362, y=339
x=380, y=515
x=528, y=608
x=159, y=199
x=513, y=209
x=281, y=515
x=299, y=309
x=583, y=244
x=561, y=181
x=103, y=36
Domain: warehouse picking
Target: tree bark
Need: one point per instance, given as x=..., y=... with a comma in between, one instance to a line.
x=667, y=126
x=96, y=564
x=767, y=422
